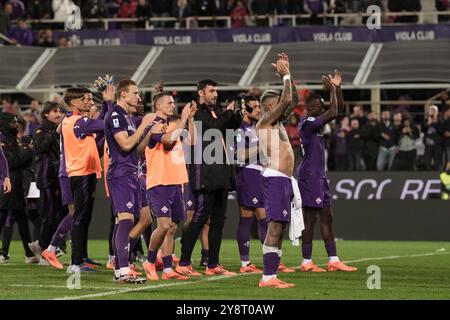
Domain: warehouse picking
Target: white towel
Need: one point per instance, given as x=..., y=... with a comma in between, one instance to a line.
x=297, y=225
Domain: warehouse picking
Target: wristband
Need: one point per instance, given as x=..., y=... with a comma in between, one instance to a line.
x=287, y=77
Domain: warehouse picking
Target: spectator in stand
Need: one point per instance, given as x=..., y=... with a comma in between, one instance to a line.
x=445, y=131
x=262, y=8
x=340, y=142
x=18, y=9
x=443, y=96
x=358, y=114
x=63, y=42
x=371, y=136
x=91, y=9
x=443, y=5
x=314, y=8
x=60, y=9
x=181, y=10
x=398, y=118
x=238, y=14
x=127, y=9
x=432, y=140
x=44, y=39
x=407, y=155
x=36, y=108
x=388, y=142
x=404, y=6
x=113, y=7
x=5, y=20
x=356, y=147
x=203, y=8
x=7, y=105
x=31, y=122
x=294, y=137
x=161, y=9
x=143, y=12
x=38, y=9
x=21, y=34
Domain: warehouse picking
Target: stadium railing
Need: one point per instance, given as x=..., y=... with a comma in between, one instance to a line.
x=272, y=20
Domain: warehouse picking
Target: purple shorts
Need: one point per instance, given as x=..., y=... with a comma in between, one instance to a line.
x=143, y=191
x=188, y=196
x=278, y=195
x=249, y=188
x=167, y=201
x=125, y=195
x=66, y=191
x=315, y=192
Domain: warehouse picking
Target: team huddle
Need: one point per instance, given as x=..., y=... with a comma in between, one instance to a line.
x=155, y=168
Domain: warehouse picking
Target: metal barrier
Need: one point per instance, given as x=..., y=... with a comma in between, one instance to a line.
x=272, y=20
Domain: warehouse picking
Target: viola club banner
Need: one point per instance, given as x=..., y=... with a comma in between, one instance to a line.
x=384, y=185
x=256, y=35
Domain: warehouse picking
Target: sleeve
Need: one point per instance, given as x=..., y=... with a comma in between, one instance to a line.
x=43, y=141
x=106, y=105
x=224, y=121
x=154, y=139
x=312, y=124
x=85, y=126
x=4, y=170
x=116, y=122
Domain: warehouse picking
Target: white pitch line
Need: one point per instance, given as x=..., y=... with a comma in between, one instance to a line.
x=103, y=294
x=59, y=287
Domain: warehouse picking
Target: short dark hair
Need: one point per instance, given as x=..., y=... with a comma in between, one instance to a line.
x=158, y=96
x=123, y=85
x=202, y=84
x=74, y=93
x=312, y=97
x=247, y=99
x=49, y=107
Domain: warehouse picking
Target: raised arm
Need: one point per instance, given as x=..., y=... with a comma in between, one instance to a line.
x=155, y=128
x=127, y=142
x=336, y=79
x=295, y=97
x=169, y=138
x=332, y=111
x=279, y=110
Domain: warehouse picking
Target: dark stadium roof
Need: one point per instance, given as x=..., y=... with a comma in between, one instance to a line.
x=234, y=66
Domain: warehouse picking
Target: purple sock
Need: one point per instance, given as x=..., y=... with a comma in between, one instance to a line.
x=243, y=237
x=262, y=230
x=63, y=229
x=151, y=256
x=271, y=261
x=116, y=259
x=122, y=242
x=167, y=261
x=307, y=250
x=331, y=248
x=205, y=253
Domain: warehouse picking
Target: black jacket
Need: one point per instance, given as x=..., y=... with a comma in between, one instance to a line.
x=432, y=136
x=391, y=131
x=19, y=158
x=212, y=175
x=46, y=155
x=371, y=136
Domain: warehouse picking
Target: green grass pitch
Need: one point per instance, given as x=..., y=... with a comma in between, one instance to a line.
x=409, y=270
